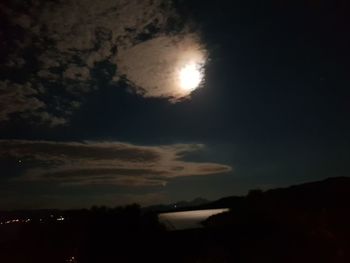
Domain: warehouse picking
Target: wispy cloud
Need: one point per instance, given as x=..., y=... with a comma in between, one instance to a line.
x=106, y=163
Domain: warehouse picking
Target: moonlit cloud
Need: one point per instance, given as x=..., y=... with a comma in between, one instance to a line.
x=133, y=41
x=15, y=98
x=154, y=66
x=106, y=163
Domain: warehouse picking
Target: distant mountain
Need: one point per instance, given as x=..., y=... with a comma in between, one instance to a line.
x=196, y=203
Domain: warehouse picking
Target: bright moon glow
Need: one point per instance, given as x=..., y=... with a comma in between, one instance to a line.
x=168, y=66
x=190, y=77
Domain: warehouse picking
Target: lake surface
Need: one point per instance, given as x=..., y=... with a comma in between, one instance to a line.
x=187, y=219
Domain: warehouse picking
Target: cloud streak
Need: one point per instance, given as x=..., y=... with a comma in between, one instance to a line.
x=106, y=163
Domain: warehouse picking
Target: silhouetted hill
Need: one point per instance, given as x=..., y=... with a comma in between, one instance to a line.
x=320, y=193
x=329, y=194
x=301, y=223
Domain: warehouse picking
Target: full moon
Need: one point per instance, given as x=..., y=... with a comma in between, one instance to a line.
x=190, y=77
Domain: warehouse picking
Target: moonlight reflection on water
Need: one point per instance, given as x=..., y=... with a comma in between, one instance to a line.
x=187, y=219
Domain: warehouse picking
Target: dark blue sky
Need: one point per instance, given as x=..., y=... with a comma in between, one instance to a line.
x=273, y=110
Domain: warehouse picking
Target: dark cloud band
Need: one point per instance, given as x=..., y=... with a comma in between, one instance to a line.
x=108, y=163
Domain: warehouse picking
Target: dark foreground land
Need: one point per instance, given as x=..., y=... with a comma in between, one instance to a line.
x=304, y=223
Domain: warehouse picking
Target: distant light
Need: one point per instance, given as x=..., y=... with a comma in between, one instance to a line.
x=60, y=218
x=71, y=259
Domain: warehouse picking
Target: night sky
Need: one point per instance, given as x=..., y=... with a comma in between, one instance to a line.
x=91, y=113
